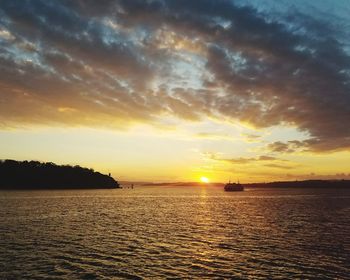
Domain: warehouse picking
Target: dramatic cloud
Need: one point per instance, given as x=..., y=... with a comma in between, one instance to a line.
x=243, y=160
x=215, y=136
x=287, y=147
x=114, y=63
x=251, y=137
x=280, y=166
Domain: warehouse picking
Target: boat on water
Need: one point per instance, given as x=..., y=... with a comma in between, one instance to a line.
x=233, y=187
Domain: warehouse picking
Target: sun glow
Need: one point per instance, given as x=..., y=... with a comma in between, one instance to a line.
x=204, y=180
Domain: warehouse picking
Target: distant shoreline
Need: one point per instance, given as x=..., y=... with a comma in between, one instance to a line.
x=277, y=184
x=303, y=184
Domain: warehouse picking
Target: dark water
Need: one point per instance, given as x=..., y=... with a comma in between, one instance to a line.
x=160, y=233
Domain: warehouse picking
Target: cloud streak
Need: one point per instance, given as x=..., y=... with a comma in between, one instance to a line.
x=124, y=62
x=244, y=160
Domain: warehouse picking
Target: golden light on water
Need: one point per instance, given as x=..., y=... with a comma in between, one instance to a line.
x=204, y=180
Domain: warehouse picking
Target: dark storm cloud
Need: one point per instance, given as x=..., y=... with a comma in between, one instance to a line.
x=114, y=63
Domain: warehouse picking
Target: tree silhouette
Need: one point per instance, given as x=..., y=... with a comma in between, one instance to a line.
x=38, y=175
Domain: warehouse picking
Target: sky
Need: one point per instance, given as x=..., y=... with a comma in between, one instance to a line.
x=174, y=90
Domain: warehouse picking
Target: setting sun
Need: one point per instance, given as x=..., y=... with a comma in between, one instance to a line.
x=204, y=180
x=201, y=139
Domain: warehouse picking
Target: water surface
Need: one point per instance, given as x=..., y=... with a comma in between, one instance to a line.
x=168, y=232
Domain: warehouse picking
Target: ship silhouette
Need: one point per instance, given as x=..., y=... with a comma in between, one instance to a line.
x=233, y=187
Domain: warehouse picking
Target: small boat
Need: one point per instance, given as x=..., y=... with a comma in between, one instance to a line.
x=233, y=187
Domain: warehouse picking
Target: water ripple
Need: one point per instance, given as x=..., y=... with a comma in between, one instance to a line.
x=175, y=233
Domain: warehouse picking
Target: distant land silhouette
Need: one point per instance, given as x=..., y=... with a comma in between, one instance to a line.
x=16, y=175
x=280, y=184
x=303, y=184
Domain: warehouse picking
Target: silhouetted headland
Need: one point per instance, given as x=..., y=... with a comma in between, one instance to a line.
x=15, y=175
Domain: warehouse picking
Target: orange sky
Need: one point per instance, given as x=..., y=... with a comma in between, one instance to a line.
x=225, y=90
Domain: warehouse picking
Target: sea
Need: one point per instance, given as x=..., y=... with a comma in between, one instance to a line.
x=175, y=233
